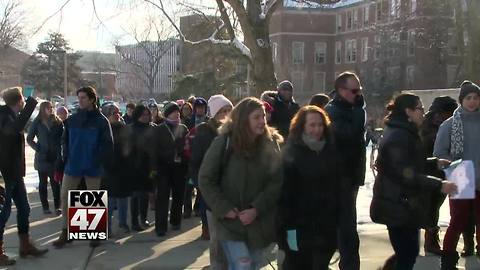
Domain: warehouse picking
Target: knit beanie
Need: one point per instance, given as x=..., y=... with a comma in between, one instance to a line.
x=466, y=88
x=216, y=103
x=268, y=107
x=169, y=108
x=62, y=109
x=285, y=85
x=443, y=104
x=199, y=102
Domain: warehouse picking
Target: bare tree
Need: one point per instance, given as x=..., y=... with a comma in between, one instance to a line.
x=145, y=59
x=253, y=39
x=11, y=23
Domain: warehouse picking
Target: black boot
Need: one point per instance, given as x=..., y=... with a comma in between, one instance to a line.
x=468, y=245
x=432, y=241
x=449, y=261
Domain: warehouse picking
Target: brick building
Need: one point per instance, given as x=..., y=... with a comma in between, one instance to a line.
x=11, y=64
x=391, y=44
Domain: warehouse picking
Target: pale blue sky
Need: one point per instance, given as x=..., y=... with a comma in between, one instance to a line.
x=83, y=30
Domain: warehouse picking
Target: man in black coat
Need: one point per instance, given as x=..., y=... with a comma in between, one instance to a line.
x=284, y=108
x=13, y=119
x=348, y=115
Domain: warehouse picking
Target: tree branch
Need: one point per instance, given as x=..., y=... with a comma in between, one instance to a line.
x=226, y=19
x=271, y=6
x=51, y=16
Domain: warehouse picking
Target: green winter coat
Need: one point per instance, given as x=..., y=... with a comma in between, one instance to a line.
x=245, y=183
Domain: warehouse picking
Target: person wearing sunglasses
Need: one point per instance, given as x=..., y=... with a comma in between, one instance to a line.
x=348, y=115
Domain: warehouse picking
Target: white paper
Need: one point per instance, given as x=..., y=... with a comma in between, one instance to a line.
x=462, y=173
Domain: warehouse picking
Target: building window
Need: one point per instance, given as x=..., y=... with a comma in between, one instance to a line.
x=320, y=52
x=338, y=52
x=410, y=76
x=364, y=49
x=378, y=11
x=339, y=22
x=413, y=6
x=274, y=51
x=351, y=51
x=297, y=80
x=376, y=48
x=451, y=75
x=452, y=43
x=395, y=8
x=393, y=74
x=297, y=52
x=319, y=82
x=411, y=43
x=349, y=20
x=355, y=19
x=366, y=16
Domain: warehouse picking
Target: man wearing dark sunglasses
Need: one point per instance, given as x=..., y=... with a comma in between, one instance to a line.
x=348, y=115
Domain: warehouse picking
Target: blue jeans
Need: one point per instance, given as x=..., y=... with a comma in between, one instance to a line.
x=239, y=257
x=15, y=190
x=406, y=244
x=122, y=207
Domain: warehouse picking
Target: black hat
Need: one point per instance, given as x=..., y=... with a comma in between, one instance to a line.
x=285, y=85
x=466, y=88
x=443, y=104
x=169, y=108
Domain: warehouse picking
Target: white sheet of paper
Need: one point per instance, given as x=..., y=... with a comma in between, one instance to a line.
x=462, y=173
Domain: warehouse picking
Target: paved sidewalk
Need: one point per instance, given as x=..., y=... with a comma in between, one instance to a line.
x=178, y=250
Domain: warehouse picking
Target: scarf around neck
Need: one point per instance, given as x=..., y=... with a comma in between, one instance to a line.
x=312, y=143
x=456, y=136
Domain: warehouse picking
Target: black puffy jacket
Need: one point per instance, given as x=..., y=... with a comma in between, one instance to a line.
x=349, y=123
x=402, y=190
x=309, y=200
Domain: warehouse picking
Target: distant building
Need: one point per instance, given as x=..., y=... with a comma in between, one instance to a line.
x=11, y=64
x=140, y=75
x=383, y=41
x=99, y=68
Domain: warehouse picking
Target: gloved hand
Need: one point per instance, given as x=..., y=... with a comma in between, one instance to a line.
x=153, y=174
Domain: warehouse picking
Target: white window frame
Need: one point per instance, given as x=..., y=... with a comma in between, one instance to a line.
x=351, y=51
x=339, y=23
x=410, y=80
x=365, y=49
x=376, y=48
x=301, y=47
x=413, y=6
x=410, y=42
x=338, y=52
x=274, y=51
x=298, y=81
x=320, y=48
x=366, y=16
x=356, y=24
x=318, y=88
x=349, y=16
x=395, y=8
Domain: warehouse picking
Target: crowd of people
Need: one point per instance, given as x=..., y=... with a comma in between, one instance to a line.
x=264, y=171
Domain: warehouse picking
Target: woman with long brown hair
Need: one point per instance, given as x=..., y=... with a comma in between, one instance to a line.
x=48, y=129
x=310, y=192
x=240, y=179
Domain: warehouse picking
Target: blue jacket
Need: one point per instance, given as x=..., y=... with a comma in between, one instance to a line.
x=87, y=143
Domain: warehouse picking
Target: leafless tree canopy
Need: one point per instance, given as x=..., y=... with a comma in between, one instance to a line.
x=11, y=23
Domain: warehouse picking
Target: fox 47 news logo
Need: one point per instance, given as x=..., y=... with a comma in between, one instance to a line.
x=87, y=214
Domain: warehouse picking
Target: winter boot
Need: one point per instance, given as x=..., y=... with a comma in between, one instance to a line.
x=4, y=259
x=27, y=247
x=468, y=245
x=62, y=240
x=432, y=241
x=449, y=261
